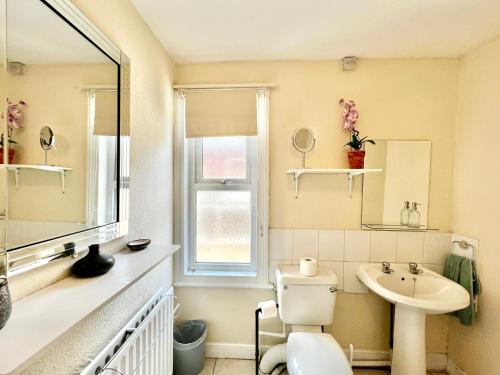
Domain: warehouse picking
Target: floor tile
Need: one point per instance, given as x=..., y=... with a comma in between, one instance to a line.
x=358, y=371
x=234, y=367
x=208, y=369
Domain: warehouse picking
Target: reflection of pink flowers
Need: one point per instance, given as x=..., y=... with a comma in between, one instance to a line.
x=350, y=114
x=15, y=114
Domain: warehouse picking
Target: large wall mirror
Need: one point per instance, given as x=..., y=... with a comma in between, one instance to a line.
x=404, y=178
x=64, y=137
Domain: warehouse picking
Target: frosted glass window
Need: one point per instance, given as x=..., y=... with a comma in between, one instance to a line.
x=223, y=226
x=224, y=158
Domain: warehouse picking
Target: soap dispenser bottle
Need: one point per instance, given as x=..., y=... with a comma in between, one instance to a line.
x=405, y=212
x=414, y=216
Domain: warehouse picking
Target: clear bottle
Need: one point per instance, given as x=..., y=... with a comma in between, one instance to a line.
x=405, y=212
x=414, y=216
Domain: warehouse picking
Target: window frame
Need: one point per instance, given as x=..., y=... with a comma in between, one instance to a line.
x=234, y=278
x=197, y=183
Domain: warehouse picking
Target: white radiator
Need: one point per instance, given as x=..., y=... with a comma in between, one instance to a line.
x=144, y=346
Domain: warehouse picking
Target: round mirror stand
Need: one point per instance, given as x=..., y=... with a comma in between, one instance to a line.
x=303, y=141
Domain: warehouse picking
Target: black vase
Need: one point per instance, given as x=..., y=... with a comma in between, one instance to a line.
x=93, y=264
x=5, y=302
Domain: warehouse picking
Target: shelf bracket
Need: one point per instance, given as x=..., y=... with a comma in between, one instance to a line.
x=296, y=177
x=350, y=177
x=17, y=172
x=63, y=175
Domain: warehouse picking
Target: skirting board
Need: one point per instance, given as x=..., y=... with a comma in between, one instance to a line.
x=453, y=369
x=435, y=361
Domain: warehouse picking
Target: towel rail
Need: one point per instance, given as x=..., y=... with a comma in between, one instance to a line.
x=464, y=245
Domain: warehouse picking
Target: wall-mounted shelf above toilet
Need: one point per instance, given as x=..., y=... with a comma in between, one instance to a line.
x=350, y=173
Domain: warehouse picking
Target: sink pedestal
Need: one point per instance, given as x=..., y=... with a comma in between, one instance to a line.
x=408, y=354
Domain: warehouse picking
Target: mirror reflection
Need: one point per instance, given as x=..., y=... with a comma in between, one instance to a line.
x=58, y=86
x=397, y=198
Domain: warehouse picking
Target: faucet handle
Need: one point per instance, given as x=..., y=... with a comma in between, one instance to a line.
x=386, y=267
x=414, y=268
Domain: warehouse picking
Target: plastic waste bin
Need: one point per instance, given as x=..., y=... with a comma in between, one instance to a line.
x=189, y=347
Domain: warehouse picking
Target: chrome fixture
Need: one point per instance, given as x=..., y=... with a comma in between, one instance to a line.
x=414, y=268
x=386, y=267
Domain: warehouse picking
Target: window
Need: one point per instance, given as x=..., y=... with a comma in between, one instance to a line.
x=222, y=185
x=223, y=209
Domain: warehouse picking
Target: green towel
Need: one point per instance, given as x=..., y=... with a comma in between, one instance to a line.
x=463, y=271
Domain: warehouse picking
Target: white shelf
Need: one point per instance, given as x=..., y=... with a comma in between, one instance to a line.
x=350, y=173
x=17, y=168
x=41, y=318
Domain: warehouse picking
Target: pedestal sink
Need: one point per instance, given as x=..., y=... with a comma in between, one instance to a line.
x=414, y=297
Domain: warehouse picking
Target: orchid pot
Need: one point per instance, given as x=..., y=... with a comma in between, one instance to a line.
x=11, y=151
x=356, y=159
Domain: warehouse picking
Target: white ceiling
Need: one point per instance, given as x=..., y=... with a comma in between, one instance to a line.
x=220, y=30
x=36, y=35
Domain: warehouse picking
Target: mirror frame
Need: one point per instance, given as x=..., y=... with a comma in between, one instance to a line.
x=34, y=256
x=296, y=146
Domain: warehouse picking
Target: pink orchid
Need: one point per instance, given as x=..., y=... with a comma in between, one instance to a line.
x=350, y=115
x=15, y=114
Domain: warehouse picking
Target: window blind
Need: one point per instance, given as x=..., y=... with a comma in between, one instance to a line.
x=213, y=113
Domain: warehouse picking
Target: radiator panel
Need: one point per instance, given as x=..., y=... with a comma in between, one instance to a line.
x=144, y=345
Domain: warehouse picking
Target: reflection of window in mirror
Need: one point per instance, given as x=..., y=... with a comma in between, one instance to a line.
x=405, y=177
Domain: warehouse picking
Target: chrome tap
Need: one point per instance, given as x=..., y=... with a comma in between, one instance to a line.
x=386, y=267
x=414, y=268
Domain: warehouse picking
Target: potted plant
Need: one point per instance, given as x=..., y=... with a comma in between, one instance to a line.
x=350, y=117
x=14, y=121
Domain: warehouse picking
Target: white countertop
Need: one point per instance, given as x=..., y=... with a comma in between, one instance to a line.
x=41, y=318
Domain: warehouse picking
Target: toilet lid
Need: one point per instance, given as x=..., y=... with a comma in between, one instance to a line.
x=315, y=354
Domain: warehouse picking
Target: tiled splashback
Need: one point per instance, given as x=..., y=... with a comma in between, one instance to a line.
x=21, y=232
x=344, y=250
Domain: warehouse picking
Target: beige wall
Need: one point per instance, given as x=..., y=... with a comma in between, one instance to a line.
x=476, y=202
x=397, y=99
x=55, y=99
x=150, y=192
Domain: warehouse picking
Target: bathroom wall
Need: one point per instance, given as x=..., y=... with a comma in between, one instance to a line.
x=65, y=111
x=150, y=192
x=476, y=202
x=411, y=99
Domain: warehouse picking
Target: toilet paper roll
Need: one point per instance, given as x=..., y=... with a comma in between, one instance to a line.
x=308, y=266
x=269, y=309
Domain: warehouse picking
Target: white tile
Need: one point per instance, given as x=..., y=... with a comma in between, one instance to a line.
x=331, y=245
x=357, y=246
x=32, y=231
x=54, y=228
x=305, y=244
x=439, y=268
x=208, y=368
x=410, y=247
x=272, y=268
x=436, y=247
x=338, y=268
x=14, y=232
x=351, y=282
x=234, y=367
x=383, y=246
x=280, y=244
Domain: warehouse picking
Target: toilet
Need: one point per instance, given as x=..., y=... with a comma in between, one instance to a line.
x=307, y=303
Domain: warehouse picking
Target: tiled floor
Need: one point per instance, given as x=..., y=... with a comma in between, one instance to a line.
x=246, y=367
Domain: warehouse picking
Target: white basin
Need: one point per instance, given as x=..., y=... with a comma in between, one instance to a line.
x=414, y=296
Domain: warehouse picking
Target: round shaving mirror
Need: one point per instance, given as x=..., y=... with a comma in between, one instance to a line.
x=47, y=140
x=303, y=141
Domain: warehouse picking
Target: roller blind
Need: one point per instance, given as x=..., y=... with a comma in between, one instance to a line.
x=221, y=113
x=105, y=120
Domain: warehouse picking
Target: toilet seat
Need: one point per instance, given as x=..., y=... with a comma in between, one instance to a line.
x=315, y=354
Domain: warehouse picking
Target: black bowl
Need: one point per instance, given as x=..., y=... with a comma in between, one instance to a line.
x=137, y=245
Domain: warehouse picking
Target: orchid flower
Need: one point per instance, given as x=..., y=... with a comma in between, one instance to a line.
x=15, y=114
x=350, y=117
